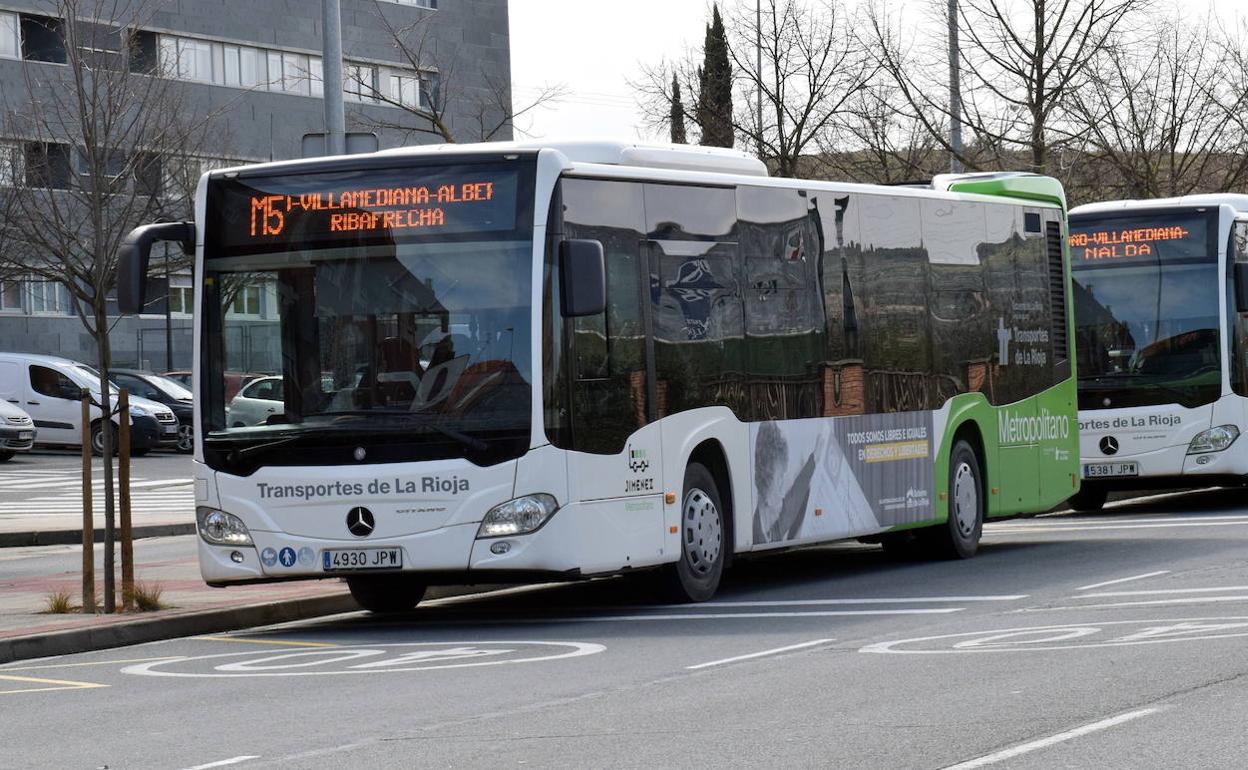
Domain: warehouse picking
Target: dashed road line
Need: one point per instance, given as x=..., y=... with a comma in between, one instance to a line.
x=226, y=762
x=752, y=655
x=1122, y=580
x=1052, y=740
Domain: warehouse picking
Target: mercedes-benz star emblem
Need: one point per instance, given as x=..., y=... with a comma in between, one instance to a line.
x=360, y=521
x=1109, y=445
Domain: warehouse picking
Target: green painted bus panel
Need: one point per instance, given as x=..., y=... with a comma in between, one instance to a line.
x=1025, y=187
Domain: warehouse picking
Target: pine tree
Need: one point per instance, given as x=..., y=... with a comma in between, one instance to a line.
x=678, y=114
x=714, y=107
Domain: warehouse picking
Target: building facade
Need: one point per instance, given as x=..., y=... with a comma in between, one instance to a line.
x=257, y=64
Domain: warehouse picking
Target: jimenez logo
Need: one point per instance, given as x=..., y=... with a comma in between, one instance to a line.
x=637, y=462
x=1016, y=429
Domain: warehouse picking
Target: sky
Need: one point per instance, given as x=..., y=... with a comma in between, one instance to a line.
x=595, y=47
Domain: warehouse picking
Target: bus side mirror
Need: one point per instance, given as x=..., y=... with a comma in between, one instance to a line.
x=136, y=252
x=583, y=277
x=1241, y=287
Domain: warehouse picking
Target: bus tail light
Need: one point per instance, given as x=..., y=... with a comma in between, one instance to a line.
x=517, y=517
x=221, y=528
x=1213, y=440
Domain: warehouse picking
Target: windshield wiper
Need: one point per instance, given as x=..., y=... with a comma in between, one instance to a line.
x=1118, y=376
x=387, y=421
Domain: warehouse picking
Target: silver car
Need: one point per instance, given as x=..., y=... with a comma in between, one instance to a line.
x=17, y=430
x=253, y=405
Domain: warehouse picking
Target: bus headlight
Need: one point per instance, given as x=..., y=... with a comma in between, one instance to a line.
x=1213, y=440
x=517, y=517
x=221, y=528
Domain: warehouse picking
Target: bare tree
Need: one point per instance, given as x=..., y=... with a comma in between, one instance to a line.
x=878, y=142
x=97, y=134
x=1160, y=119
x=1021, y=62
x=813, y=68
x=438, y=92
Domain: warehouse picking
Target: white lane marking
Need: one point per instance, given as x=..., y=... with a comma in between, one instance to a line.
x=1052, y=740
x=1153, y=603
x=1162, y=591
x=887, y=600
x=1031, y=638
x=745, y=615
x=752, y=655
x=1072, y=520
x=1122, y=580
x=1107, y=527
x=225, y=762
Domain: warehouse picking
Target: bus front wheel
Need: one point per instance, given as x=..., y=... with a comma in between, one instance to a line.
x=958, y=537
x=695, y=576
x=386, y=593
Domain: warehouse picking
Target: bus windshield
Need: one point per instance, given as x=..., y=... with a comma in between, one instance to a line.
x=1146, y=309
x=395, y=325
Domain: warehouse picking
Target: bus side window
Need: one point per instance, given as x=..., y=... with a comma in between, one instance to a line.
x=1238, y=252
x=608, y=382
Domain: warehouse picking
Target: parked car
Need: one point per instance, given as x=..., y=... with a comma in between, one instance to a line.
x=257, y=400
x=17, y=431
x=49, y=389
x=234, y=381
x=162, y=390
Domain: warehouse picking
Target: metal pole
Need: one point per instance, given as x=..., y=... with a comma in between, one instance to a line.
x=123, y=491
x=88, y=517
x=335, y=117
x=758, y=51
x=168, y=313
x=955, y=92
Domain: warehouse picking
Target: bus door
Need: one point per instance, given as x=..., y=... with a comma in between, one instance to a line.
x=617, y=451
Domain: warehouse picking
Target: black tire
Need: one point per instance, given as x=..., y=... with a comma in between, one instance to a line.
x=703, y=540
x=958, y=537
x=186, y=439
x=382, y=594
x=1088, y=499
x=97, y=439
x=6, y=455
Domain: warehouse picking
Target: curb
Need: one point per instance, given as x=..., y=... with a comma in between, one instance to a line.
x=74, y=536
x=125, y=633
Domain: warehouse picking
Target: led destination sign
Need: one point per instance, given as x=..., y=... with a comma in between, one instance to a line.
x=1138, y=239
x=256, y=214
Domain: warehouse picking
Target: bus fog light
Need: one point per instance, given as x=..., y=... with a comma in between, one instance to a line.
x=236, y=557
x=517, y=517
x=500, y=548
x=1213, y=440
x=221, y=528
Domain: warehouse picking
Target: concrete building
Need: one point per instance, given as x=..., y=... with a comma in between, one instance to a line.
x=257, y=63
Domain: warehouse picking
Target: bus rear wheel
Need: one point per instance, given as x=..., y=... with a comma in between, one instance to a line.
x=695, y=575
x=383, y=594
x=958, y=537
x=1088, y=499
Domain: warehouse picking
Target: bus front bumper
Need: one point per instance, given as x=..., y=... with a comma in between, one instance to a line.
x=1170, y=466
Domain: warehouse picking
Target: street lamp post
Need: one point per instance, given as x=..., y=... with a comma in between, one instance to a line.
x=955, y=93
x=331, y=69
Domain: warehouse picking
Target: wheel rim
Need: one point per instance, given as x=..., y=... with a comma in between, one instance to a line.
x=703, y=533
x=186, y=437
x=965, y=499
x=97, y=441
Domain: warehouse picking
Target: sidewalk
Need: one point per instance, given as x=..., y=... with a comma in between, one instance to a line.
x=28, y=576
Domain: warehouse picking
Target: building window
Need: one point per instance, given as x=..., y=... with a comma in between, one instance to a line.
x=111, y=165
x=46, y=165
x=181, y=295
x=247, y=301
x=11, y=296
x=244, y=66
x=43, y=38
x=49, y=297
x=186, y=59
x=10, y=164
x=411, y=91
x=10, y=45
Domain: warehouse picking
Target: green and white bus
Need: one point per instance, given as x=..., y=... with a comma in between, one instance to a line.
x=520, y=361
x=1160, y=302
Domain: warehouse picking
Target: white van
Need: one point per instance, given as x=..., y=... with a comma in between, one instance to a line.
x=49, y=389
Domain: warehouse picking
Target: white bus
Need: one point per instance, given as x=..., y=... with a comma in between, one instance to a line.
x=1160, y=292
x=512, y=362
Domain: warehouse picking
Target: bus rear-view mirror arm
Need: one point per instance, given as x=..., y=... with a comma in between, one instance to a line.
x=136, y=252
x=583, y=277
